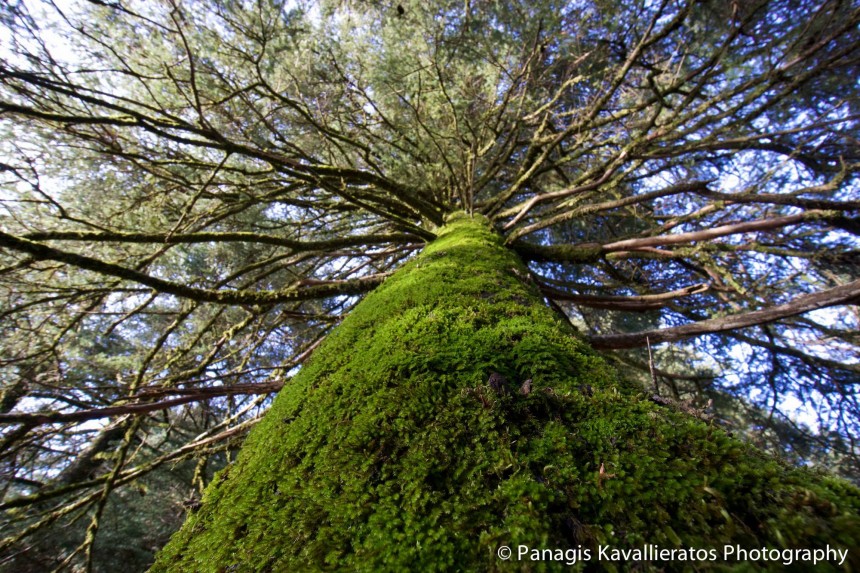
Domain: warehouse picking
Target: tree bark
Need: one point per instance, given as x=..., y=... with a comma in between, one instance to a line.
x=393, y=450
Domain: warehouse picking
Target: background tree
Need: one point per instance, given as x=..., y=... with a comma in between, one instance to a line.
x=195, y=193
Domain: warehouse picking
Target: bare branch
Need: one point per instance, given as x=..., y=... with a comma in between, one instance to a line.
x=841, y=295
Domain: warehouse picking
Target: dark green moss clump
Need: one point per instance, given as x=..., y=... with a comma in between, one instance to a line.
x=390, y=451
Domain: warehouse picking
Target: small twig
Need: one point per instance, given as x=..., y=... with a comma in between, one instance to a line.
x=651, y=367
x=603, y=475
x=686, y=406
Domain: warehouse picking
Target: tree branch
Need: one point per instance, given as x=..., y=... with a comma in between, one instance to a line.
x=215, y=237
x=196, y=395
x=320, y=289
x=708, y=234
x=841, y=295
x=640, y=303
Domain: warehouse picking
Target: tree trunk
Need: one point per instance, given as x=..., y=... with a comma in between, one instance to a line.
x=412, y=441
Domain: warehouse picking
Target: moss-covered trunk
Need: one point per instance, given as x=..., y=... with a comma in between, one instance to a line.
x=399, y=447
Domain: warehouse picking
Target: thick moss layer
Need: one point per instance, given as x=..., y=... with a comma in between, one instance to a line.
x=390, y=451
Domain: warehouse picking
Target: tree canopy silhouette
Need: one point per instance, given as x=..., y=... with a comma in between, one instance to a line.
x=194, y=193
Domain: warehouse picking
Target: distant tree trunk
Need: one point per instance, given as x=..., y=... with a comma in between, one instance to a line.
x=413, y=441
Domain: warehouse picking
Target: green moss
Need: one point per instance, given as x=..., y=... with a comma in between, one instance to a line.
x=391, y=452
